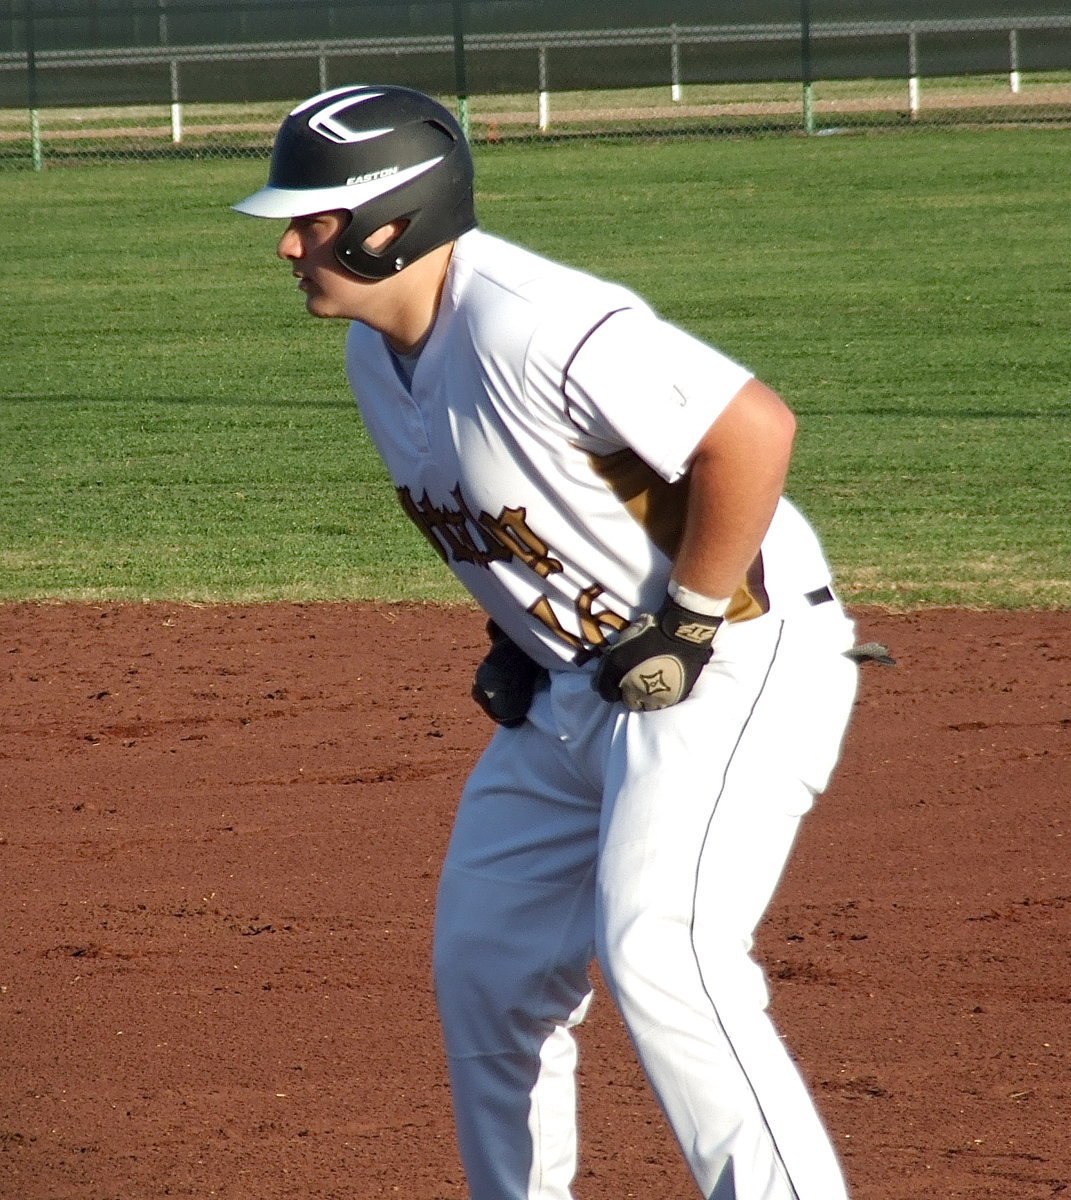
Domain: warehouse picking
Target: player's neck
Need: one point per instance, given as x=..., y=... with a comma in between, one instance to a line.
x=410, y=310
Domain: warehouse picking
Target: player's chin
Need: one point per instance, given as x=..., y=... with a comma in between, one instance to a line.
x=317, y=305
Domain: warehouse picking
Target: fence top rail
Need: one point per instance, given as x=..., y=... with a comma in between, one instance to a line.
x=538, y=39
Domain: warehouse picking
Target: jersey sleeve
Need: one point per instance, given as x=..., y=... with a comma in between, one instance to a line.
x=640, y=382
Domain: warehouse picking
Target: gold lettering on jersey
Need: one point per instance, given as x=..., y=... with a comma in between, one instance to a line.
x=458, y=534
x=593, y=623
x=543, y=611
x=422, y=515
x=511, y=529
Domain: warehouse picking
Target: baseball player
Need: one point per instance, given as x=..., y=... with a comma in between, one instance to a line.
x=667, y=668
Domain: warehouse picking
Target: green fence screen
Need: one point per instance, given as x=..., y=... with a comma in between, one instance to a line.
x=82, y=78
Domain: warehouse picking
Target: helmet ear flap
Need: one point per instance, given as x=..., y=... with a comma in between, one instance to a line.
x=353, y=251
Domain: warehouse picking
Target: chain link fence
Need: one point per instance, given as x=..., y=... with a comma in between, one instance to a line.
x=115, y=79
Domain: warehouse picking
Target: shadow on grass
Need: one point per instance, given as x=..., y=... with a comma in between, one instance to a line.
x=258, y=402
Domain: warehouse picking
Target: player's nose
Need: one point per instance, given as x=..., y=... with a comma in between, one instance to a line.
x=289, y=246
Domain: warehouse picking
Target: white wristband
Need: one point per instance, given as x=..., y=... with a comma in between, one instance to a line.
x=697, y=602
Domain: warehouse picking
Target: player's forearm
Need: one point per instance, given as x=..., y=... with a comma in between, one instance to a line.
x=735, y=481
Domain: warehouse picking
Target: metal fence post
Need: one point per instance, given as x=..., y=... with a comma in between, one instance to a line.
x=460, y=74
x=806, y=68
x=36, y=148
x=544, y=93
x=173, y=72
x=913, y=74
x=674, y=66
x=1015, y=79
x=176, y=104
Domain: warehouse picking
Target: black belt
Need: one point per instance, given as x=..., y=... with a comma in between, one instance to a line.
x=820, y=595
x=869, y=651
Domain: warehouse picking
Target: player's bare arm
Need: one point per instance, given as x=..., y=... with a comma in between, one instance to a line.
x=736, y=478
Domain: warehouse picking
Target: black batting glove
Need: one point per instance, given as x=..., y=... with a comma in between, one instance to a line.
x=506, y=680
x=657, y=659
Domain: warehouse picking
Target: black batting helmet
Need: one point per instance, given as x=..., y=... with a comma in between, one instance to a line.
x=383, y=153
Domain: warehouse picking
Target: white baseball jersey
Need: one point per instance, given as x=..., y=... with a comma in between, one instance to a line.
x=541, y=445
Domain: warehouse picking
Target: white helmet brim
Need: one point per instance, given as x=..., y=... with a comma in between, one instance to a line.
x=302, y=202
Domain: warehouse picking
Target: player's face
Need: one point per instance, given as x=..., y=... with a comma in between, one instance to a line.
x=308, y=244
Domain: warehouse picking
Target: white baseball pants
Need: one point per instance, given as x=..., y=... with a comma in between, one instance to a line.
x=653, y=841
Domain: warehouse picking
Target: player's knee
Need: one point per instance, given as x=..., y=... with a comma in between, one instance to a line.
x=459, y=961
x=647, y=959
x=473, y=968
x=495, y=975
x=496, y=996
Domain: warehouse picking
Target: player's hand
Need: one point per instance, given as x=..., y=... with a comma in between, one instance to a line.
x=657, y=659
x=506, y=680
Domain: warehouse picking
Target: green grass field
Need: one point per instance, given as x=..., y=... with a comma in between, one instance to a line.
x=173, y=426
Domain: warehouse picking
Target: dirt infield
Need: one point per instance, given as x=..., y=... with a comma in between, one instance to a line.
x=219, y=836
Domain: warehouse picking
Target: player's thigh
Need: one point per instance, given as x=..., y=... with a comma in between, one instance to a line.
x=526, y=814
x=514, y=930
x=785, y=753
x=704, y=799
